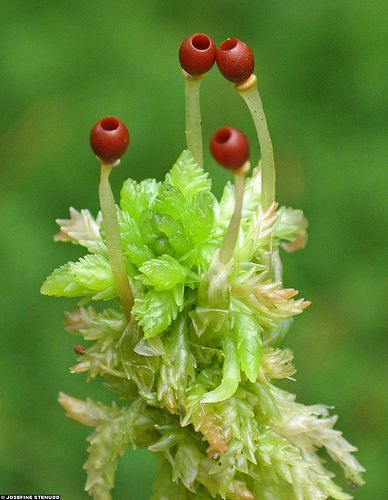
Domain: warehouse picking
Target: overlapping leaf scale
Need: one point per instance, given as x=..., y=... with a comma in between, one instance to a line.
x=270, y=303
x=90, y=276
x=82, y=229
x=136, y=197
x=60, y=283
x=187, y=464
x=291, y=229
x=163, y=273
x=116, y=429
x=249, y=344
x=277, y=363
x=194, y=218
x=155, y=310
x=94, y=272
x=177, y=368
x=135, y=249
x=188, y=176
x=311, y=427
x=287, y=472
x=105, y=330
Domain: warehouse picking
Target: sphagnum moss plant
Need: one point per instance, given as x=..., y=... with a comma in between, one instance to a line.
x=192, y=349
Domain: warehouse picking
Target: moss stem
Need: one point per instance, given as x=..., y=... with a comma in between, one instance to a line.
x=113, y=241
x=230, y=239
x=193, y=116
x=250, y=93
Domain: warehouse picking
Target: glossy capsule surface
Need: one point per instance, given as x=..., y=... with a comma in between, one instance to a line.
x=235, y=60
x=230, y=147
x=197, y=54
x=109, y=139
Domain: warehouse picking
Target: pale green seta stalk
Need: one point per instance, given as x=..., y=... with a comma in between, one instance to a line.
x=250, y=93
x=195, y=369
x=113, y=241
x=193, y=115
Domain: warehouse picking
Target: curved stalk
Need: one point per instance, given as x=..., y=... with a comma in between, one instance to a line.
x=193, y=116
x=113, y=241
x=230, y=239
x=250, y=93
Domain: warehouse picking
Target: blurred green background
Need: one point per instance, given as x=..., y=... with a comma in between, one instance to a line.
x=321, y=69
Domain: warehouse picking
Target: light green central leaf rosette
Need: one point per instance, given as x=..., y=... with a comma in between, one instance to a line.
x=195, y=366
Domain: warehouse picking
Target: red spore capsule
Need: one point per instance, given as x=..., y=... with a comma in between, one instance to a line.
x=230, y=147
x=235, y=60
x=197, y=54
x=109, y=139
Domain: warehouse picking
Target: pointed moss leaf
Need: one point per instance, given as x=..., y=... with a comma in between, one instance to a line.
x=86, y=412
x=155, y=311
x=129, y=229
x=187, y=459
x=137, y=197
x=176, y=369
x=137, y=254
x=82, y=229
x=135, y=246
x=249, y=344
x=163, y=273
x=188, y=176
x=170, y=201
x=161, y=246
x=62, y=284
x=291, y=229
x=164, y=488
x=178, y=293
x=180, y=242
x=183, y=359
x=204, y=256
x=165, y=224
x=121, y=428
x=230, y=373
x=93, y=272
x=174, y=231
x=198, y=217
x=146, y=227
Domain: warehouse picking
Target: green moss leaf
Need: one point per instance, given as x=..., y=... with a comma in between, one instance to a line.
x=177, y=368
x=137, y=197
x=92, y=272
x=170, y=201
x=198, y=218
x=155, y=310
x=187, y=459
x=162, y=273
x=291, y=229
x=249, y=344
x=62, y=284
x=164, y=488
x=129, y=229
x=137, y=254
x=188, y=176
x=230, y=373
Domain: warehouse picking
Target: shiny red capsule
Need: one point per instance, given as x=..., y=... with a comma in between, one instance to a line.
x=197, y=54
x=230, y=147
x=109, y=139
x=235, y=60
